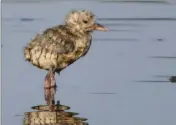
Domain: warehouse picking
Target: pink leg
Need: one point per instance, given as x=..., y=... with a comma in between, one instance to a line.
x=50, y=80
x=50, y=87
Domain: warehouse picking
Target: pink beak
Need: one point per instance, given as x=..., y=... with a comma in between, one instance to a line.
x=99, y=27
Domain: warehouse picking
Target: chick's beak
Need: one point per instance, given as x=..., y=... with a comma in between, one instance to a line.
x=99, y=27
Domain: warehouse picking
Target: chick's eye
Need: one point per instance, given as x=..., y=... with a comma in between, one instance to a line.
x=85, y=21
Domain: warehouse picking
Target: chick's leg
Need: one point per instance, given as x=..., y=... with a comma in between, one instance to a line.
x=50, y=87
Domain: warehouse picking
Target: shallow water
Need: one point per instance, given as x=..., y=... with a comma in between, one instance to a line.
x=108, y=85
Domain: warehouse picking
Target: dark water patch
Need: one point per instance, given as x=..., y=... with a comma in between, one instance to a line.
x=151, y=81
x=27, y=19
x=122, y=24
x=139, y=19
x=19, y=115
x=23, y=19
x=159, y=40
x=137, y=1
x=163, y=57
x=26, y=1
x=116, y=40
x=121, y=1
x=42, y=1
x=171, y=79
x=103, y=93
x=114, y=30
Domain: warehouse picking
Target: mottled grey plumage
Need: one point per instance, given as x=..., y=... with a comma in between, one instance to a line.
x=60, y=46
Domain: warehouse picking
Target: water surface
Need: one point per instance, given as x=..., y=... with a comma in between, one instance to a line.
x=103, y=85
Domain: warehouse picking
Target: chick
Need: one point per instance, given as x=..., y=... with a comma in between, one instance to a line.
x=58, y=47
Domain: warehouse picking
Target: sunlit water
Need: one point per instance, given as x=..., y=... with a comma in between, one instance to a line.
x=103, y=85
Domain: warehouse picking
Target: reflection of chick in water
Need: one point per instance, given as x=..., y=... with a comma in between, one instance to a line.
x=59, y=46
x=56, y=117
